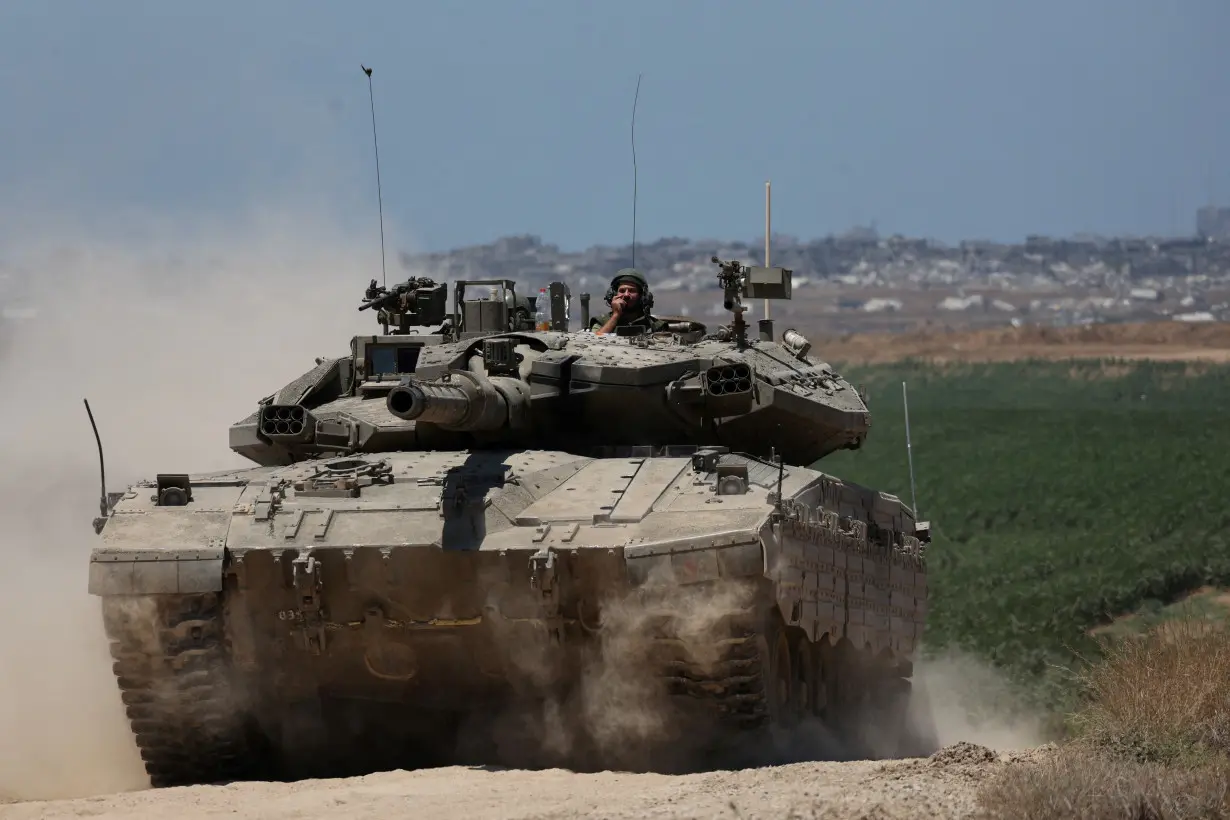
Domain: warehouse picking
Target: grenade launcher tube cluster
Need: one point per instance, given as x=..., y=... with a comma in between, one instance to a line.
x=462, y=401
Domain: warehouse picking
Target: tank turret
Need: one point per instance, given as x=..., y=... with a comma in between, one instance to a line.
x=511, y=384
x=681, y=386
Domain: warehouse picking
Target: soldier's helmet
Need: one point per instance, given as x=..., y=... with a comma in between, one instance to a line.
x=635, y=277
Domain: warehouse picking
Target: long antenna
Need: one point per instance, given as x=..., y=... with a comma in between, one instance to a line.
x=635, y=97
x=102, y=467
x=909, y=450
x=767, y=211
x=384, y=276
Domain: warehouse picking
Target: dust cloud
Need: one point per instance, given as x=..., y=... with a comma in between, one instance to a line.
x=617, y=716
x=172, y=329
x=968, y=700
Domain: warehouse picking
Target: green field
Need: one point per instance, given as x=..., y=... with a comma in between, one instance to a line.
x=1061, y=494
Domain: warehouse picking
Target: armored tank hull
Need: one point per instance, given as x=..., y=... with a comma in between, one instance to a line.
x=469, y=541
x=370, y=611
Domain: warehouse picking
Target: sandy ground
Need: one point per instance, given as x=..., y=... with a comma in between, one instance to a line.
x=942, y=786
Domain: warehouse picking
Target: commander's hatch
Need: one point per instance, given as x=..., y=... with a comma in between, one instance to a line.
x=382, y=361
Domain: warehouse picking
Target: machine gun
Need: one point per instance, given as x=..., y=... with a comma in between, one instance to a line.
x=417, y=301
x=381, y=298
x=754, y=282
x=730, y=278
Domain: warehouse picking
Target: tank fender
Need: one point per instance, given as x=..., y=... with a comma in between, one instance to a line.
x=155, y=571
x=698, y=559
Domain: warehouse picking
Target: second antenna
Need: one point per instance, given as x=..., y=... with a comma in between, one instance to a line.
x=384, y=277
x=635, y=97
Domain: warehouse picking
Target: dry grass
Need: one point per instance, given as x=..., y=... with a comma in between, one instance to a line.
x=1161, y=697
x=1152, y=741
x=1097, y=787
x=1166, y=340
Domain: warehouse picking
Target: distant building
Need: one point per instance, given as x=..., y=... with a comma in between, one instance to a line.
x=1213, y=222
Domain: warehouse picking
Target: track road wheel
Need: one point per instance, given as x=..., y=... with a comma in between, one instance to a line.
x=824, y=690
x=780, y=679
x=851, y=703
x=805, y=666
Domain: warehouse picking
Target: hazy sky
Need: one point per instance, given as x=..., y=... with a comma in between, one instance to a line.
x=948, y=118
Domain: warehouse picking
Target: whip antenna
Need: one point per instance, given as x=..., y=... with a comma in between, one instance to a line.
x=102, y=465
x=635, y=97
x=767, y=211
x=909, y=450
x=379, y=196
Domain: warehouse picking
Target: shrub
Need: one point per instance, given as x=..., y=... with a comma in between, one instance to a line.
x=1160, y=697
x=1097, y=787
x=1153, y=736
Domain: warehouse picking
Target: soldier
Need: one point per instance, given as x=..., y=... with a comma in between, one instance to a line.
x=630, y=300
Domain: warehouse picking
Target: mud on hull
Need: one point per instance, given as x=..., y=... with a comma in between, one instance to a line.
x=343, y=661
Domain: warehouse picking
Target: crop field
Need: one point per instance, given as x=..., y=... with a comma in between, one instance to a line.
x=1062, y=495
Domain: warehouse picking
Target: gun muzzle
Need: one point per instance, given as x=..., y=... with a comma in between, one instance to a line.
x=460, y=401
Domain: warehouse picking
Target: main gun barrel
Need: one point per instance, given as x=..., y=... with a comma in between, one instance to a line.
x=461, y=401
x=435, y=402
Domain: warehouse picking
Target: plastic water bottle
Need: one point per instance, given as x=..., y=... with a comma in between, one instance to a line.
x=542, y=316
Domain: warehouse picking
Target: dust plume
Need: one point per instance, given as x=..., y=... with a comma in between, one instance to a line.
x=970, y=701
x=617, y=714
x=954, y=698
x=662, y=631
x=173, y=329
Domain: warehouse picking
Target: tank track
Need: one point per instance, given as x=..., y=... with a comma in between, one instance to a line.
x=170, y=662
x=734, y=680
x=730, y=679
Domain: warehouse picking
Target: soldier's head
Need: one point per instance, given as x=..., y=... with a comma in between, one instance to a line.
x=630, y=286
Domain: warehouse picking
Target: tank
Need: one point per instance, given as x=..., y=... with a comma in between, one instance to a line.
x=467, y=539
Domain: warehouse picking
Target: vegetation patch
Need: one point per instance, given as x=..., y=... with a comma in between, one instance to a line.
x=1109, y=369
x=1209, y=604
x=1060, y=499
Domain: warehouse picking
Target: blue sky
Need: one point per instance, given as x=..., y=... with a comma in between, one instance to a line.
x=948, y=118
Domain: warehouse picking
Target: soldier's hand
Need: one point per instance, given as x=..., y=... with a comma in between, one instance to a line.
x=617, y=305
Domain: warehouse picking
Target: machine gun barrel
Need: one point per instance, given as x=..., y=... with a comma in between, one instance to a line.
x=380, y=301
x=460, y=401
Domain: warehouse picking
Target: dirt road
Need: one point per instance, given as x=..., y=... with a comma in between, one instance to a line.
x=942, y=786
